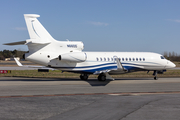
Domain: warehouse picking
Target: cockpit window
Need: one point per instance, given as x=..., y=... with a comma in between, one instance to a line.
x=162, y=57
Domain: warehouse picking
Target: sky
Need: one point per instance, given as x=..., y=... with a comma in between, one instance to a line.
x=102, y=25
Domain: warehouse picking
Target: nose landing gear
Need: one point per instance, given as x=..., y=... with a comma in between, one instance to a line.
x=155, y=78
x=155, y=75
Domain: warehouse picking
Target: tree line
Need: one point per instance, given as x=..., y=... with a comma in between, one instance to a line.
x=18, y=53
x=171, y=56
x=9, y=53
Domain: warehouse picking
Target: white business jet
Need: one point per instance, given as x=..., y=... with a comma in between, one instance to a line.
x=68, y=56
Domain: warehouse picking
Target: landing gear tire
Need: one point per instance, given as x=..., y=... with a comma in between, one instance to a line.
x=155, y=75
x=155, y=78
x=102, y=77
x=83, y=76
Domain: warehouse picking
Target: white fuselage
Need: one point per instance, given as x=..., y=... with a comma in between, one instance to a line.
x=96, y=61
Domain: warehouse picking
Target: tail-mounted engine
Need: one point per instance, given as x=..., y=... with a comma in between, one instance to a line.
x=73, y=57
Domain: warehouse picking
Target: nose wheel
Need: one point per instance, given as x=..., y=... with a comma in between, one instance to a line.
x=155, y=75
x=155, y=78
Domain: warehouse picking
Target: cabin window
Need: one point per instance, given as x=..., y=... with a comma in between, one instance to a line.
x=136, y=59
x=104, y=59
x=108, y=59
x=126, y=59
x=129, y=59
x=97, y=59
x=143, y=59
x=122, y=59
x=119, y=59
x=133, y=59
x=139, y=59
x=162, y=57
x=111, y=59
x=101, y=59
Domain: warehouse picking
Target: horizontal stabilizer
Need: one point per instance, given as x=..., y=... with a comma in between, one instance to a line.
x=30, y=41
x=16, y=43
x=36, y=41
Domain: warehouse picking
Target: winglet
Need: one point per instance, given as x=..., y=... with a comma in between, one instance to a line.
x=119, y=65
x=17, y=61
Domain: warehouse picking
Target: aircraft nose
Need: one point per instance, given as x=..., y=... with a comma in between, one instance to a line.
x=170, y=64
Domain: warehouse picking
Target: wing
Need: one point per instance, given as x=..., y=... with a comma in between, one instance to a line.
x=32, y=66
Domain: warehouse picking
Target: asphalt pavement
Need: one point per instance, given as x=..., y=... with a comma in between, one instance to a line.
x=67, y=99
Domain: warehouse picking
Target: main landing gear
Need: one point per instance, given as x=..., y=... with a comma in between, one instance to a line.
x=102, y=77
x=84, y=76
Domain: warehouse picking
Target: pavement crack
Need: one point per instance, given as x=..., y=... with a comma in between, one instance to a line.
x=139, y=108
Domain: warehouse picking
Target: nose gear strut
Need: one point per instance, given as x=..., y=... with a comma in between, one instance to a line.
x=155, y=75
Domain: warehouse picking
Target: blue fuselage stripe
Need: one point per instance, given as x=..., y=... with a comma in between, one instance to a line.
x=105, y=66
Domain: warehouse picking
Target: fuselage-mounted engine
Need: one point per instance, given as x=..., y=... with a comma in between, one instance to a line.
x=73, y=57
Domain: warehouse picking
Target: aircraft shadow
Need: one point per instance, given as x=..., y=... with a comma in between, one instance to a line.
x=95, y=82
x=92, y=82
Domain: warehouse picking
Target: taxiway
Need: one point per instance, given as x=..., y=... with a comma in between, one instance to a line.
x=65, y=99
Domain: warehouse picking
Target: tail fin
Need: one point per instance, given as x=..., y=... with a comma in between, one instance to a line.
x=35, y=28
x=38, y=34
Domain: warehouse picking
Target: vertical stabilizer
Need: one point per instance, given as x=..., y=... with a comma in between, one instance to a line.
x=35, y=28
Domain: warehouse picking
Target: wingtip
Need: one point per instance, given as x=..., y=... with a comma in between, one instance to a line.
x=17, y=61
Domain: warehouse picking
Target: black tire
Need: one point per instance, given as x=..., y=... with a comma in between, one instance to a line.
x=155, y=78
x=83, y=76
x=102, y=77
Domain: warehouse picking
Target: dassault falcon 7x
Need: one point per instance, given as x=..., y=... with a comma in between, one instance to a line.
x=68, y=55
